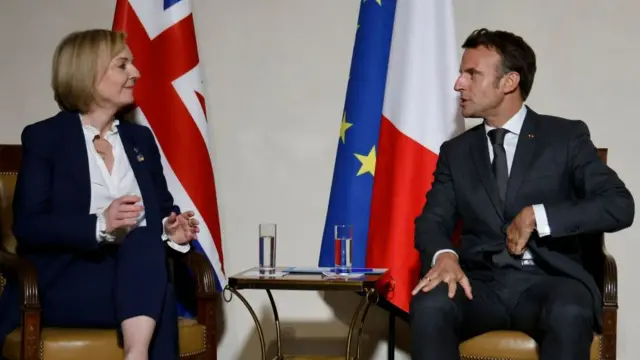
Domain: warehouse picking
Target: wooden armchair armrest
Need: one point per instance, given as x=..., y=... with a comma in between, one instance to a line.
x=610, y=310
x=27, y=276
x=610, y=285
x=203, y=272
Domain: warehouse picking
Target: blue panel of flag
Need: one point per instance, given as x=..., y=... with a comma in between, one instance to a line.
x=170, y=3
x=352, y=184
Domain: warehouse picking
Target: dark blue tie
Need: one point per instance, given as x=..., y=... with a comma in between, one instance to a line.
x=501, y=173
x=499, y=165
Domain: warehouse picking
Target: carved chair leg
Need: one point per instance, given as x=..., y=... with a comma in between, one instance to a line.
x=207, y=317
x=609, y=325
x=30, y=335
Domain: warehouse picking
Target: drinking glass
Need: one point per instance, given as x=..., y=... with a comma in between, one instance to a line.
x=343, y=238
x=267, y=249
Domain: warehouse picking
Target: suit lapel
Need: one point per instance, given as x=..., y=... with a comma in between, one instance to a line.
x=524, y=152
x=77, y=155
x=135, y=157
x=480, y=155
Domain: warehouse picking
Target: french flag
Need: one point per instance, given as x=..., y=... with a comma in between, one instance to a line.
x=401, y=105
x=419, y=113
x=169, y=100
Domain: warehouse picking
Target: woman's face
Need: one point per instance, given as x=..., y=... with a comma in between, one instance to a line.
x=115, y=88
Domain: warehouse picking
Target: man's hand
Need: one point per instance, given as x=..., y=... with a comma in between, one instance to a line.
x=122, y=212
x=182, y=228
x=445, y=270
x=519, y=231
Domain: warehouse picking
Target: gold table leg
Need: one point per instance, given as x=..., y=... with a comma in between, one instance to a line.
x=371, y=297
x=263, y=347
x=277, y=321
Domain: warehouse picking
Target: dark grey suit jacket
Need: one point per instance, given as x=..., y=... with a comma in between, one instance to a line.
x=556, y=165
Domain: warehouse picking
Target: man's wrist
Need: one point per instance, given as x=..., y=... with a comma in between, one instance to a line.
x=541, y=220
x=447, y=256
x=531, y=218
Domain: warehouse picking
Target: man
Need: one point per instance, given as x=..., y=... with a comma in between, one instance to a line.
x=524, y=187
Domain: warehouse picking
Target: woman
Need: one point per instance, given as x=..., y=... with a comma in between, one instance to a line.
x=92, y=210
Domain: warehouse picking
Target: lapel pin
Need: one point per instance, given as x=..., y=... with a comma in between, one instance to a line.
x=531, y=136
x=139, y=157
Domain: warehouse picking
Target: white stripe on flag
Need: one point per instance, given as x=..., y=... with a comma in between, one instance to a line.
x=423, y=66
x=155, y=19
x=186, y=86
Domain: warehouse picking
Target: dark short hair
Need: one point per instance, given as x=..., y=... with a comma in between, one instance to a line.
x=515, y=53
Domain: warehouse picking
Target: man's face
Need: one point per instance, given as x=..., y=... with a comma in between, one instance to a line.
x=480, y=83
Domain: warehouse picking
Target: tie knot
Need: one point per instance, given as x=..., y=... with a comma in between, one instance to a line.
x=497, y=136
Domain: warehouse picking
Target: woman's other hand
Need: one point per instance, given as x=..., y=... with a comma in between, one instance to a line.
x=123, y=212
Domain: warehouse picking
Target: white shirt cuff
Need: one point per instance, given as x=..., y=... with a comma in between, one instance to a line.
x=542, y=223
x=433, y=262
x=101, y=227
x=183, y=248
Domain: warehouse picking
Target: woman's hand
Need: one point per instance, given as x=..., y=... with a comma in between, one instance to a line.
x=182, y=228
x=122, y=212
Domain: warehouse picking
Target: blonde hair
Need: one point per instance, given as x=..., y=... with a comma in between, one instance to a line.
x=79, y=60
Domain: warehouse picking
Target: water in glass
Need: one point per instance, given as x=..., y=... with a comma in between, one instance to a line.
x=267, y=249
x=343, y=249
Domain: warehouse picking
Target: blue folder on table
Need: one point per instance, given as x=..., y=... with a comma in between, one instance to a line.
x=320, y=270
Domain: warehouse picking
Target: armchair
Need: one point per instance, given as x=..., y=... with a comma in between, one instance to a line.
x=513, y=345
x=32, y=341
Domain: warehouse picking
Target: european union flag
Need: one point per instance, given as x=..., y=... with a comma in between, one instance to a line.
x=352, y=185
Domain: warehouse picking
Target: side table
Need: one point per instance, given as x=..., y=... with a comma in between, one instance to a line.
x=251, y=279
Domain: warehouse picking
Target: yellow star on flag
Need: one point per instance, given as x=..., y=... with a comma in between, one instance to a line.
x=368, y=162
x=344, y=126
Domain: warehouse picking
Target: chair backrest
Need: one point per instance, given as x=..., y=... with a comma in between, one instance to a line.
x=10, y=157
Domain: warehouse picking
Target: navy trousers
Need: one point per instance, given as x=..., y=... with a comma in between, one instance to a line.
x=101, y=289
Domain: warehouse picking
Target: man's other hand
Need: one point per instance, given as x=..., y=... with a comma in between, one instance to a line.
x=520, y=229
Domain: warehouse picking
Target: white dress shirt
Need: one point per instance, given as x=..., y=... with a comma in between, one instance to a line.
x=106, y=187
x=514, y=125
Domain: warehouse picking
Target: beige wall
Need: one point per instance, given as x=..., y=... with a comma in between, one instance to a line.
x=276, y=73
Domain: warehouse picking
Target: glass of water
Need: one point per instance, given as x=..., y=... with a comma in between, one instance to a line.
x=343, y=238
x=267, y=249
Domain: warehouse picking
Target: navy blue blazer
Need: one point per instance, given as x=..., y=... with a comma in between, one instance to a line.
x=53, y=191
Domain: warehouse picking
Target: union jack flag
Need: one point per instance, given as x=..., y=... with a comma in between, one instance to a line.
x=169, y=99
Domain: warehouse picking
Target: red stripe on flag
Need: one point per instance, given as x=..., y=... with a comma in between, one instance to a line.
x=404, y=173
x=202, y=103
x=160, y=61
